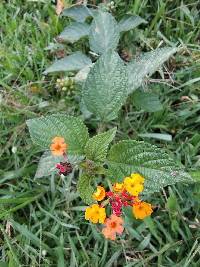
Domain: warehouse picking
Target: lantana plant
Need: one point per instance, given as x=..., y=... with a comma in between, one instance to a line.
x=133, y=168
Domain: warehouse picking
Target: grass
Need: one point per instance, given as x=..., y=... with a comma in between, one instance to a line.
x=42, y=221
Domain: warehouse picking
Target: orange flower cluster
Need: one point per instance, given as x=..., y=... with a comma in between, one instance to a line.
x=122, y=195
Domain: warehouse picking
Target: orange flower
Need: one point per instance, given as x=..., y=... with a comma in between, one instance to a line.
x=58, y=146
x=118, y=187
x=113, y=226
x=142, y=210
x=99, y=194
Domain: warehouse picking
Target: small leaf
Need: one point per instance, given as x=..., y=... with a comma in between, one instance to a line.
x=77, y=12
x=105, y=88
x=157, y=167
x=74, y=32
x=44, y=129
x=104, y=33
x=130, y=22
x=85, y=189
x=147, y=64
x=47, y=163
x=97, y=146
x=148, y=101
x=74, y=62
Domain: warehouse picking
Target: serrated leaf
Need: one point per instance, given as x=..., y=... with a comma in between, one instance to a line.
x=77, y=12
x=130, y=22
x=47, y=163
x=44, y=129
x=157, y=167
x=104, y=33
x=105, y=88
x=97, y=146
x=74, y=32
x=85, y=189
x=148, y=101
x=147, y=64
x=74, y=62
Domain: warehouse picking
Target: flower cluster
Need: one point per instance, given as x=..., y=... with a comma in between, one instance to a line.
x=122, y=195
x=59, y=148
x=65, y=84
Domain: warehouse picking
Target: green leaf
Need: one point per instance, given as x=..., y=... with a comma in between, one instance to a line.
x=104, y=33
x=47, y=163
x=74, y=62
x=85, y=189
x=157, y=167
x=105, y=88
x=147, y=64
x=44, y=129
x=130, y=22
x=97, y=146
x=77, y=12
x=148, y=101
x=74, y=32
x=195, y=175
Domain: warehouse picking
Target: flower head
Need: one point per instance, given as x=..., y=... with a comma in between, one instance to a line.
x=113, y=226
x=58, y=146
x=99, y=194
x=64, y=168
x=142, y=210
x=137, y=178
x=118, y=187
x=134, y=184
x=95, y=214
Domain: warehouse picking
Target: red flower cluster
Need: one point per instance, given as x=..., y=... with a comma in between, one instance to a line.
x=120, y=200
x=64, y=168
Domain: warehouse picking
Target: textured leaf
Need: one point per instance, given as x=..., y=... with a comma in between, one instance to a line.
x=75, y=61
x=104, y=33
x=77, y=12
x=47, y=163
x=74, y=32
x=97, y=146
x=130, y=22
x=44, y=129
x=148, y=101
x=152, y=162
x=105, y=88
x=85, y=189
x=147, y=64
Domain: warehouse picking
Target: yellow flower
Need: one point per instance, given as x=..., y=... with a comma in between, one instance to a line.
x=99, y=194
x=137, y=178
x=134, y=184
x=131, y=187
x=118, y=187
x=95, y=214
x=142, y=210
